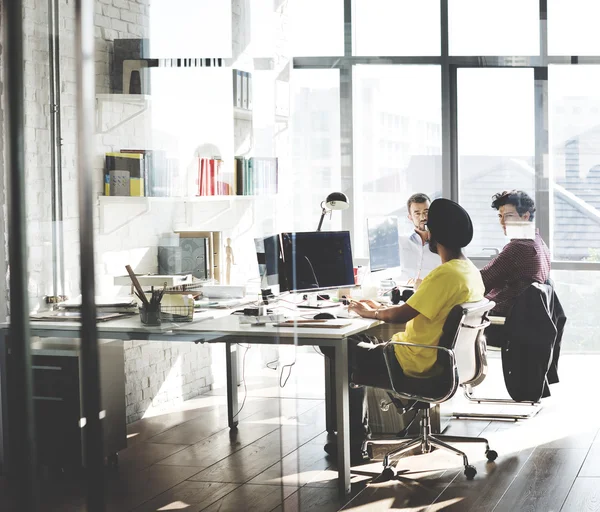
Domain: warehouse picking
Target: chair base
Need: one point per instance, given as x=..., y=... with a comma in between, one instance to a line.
x=426, y=441
x=468, y=393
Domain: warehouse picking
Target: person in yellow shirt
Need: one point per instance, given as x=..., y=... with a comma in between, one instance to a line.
x=454, y=282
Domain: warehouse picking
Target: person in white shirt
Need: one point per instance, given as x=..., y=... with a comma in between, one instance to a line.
x=416, y=259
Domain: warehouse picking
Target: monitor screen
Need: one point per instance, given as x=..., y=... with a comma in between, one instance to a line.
x=268, y=254
x=317, y=260
x=384, y=247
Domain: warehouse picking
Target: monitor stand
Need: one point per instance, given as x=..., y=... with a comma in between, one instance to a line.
x=313, y=302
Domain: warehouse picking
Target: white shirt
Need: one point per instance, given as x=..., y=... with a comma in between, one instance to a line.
x=416, y=259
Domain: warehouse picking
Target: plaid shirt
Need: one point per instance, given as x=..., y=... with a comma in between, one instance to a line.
x=520, y=263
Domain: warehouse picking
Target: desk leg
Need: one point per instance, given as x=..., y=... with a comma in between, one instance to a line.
x=3, y=407
x=232, y=383
x=343, y=418
x=330, y=409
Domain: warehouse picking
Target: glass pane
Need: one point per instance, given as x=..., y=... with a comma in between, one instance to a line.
x=397, y=143
x=183, y=28
x=496, y=146
x=396, y=27
x=492, y=27
x=316, y=162
x=579, y=293
x=317, y=28
x=574, y=107
x=573, y=27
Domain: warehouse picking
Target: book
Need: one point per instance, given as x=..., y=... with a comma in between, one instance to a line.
x=131, y=164
x=256, y=175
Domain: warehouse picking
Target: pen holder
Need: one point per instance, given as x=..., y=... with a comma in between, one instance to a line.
x=150, y=316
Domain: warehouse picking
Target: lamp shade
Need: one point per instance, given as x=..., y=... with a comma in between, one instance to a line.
x=337, y=201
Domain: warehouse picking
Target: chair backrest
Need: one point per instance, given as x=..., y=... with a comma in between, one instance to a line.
x=463, y=333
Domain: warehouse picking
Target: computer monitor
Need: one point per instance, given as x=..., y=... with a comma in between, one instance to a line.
x=384, y=246
x=318, y=260
x=270, y=262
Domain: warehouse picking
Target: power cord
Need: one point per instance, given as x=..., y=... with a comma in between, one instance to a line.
x=247, y=347
x=288, y=375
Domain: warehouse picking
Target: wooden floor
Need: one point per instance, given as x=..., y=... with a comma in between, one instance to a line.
x=188, y=460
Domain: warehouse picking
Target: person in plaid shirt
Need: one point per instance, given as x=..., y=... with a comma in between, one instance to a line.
x=523, y=261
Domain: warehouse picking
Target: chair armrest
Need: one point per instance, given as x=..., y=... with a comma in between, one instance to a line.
x=497, y=320
x=417, y=345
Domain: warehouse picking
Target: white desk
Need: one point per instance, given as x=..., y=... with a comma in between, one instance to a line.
x=224, y=328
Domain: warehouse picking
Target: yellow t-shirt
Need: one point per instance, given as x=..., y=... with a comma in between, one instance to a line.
x=452, y=283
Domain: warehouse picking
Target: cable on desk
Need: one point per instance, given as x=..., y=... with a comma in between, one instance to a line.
x=243, y=379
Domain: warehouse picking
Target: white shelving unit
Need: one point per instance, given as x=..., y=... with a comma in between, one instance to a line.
x=117, y=211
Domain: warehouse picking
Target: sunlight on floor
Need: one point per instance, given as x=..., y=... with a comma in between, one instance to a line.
x=176, y=505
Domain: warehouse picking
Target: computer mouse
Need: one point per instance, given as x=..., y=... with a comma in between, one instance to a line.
x=324, y=316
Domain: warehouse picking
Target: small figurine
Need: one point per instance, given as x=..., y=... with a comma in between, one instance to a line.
x=229, y=260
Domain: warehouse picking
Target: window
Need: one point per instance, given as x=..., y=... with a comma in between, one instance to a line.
x=396, y=27
x=315, y=154
x=494, y=27
x=579, y=293
x=385, y=175
x=573, y=27
x=495, y=145
x=575, y=161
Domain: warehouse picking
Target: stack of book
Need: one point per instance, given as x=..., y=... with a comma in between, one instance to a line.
x=140, y=173
x=211, y=178
x=256, y=176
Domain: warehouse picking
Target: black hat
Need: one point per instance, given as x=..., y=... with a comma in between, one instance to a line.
x=449, y=223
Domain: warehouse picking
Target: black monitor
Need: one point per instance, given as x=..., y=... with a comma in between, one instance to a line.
x=318, y=260
x=384, y=246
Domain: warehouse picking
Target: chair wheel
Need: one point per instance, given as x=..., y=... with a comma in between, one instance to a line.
x=491, y=455
x=387, y=474
x=470, y=472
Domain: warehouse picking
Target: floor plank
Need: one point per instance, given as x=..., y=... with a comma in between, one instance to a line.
x=127, y=491
x=188, y=496
x=591, y=466
x=304, y=466
x=144, y=454
x=252, y=498
x=544, y=481
x=311, y=499
x=218, y=446
x=584, y=496
x=485, y=490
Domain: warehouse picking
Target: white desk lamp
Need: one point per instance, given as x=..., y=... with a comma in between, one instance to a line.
x=334, y=201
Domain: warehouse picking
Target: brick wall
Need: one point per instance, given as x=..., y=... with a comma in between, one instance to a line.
x=157, y=374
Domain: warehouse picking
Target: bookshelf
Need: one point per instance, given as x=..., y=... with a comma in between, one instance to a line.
x=117, y=211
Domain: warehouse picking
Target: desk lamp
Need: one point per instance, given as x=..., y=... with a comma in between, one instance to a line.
x=334, y=201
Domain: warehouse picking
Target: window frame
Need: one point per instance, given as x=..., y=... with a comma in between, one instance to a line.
x=449, y=67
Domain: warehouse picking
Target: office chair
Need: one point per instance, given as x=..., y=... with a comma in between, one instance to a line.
x=538, y=305
x=460, y=361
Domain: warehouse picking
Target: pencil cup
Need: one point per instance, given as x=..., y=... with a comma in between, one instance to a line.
x=150, y=316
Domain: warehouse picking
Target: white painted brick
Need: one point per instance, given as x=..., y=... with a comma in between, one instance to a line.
x=118, y=25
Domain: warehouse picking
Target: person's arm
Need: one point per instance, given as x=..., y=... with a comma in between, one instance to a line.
x=498, y=271
x=399, y=314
